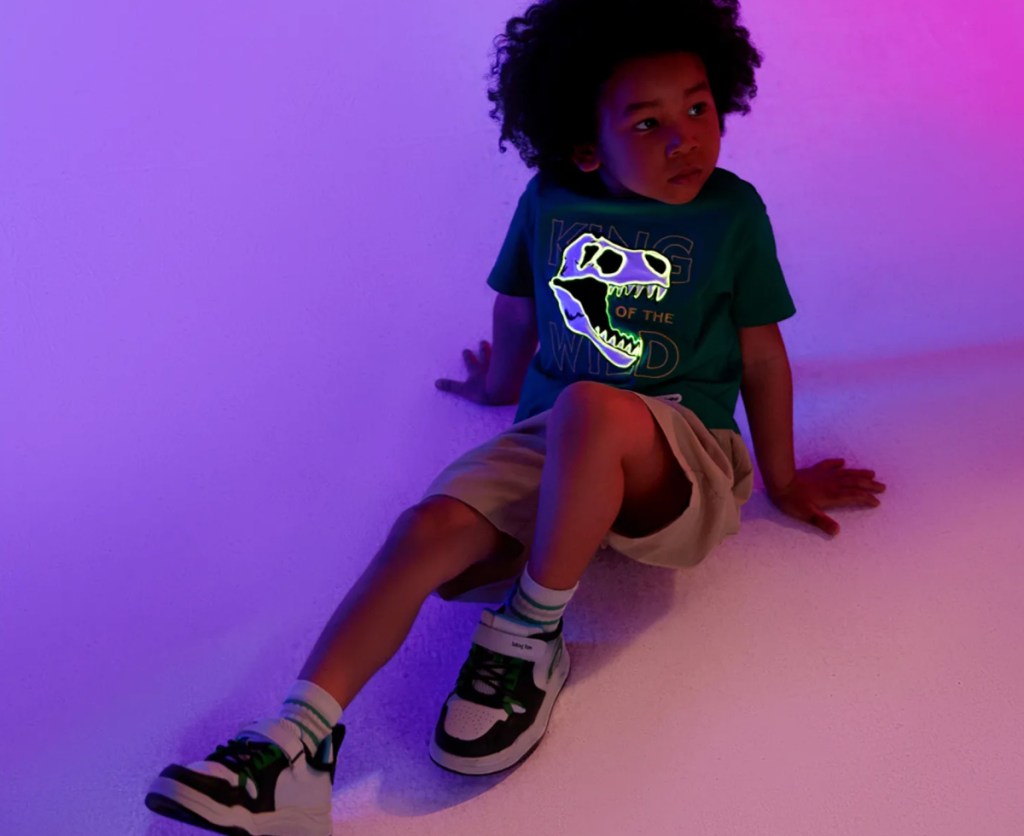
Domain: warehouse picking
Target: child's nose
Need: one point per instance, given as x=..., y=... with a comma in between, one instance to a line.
x=681, y=146
x=681, y=143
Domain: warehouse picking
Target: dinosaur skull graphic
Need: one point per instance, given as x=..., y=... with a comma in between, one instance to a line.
x=594, y=271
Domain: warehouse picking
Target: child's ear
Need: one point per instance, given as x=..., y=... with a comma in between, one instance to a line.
x=585, y=157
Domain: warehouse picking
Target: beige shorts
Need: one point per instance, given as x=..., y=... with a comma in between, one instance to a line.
x=501, y=480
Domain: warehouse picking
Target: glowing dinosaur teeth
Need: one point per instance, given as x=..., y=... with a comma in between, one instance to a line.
x=621, y=343
x=636, y=291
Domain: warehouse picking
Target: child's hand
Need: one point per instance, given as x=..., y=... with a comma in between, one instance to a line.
x=474, y=387
x=827, y=485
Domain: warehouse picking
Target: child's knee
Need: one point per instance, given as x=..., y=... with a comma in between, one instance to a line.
x=451, y=532
x=436, y=516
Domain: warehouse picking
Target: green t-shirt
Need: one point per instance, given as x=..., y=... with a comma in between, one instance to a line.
x=643, y=295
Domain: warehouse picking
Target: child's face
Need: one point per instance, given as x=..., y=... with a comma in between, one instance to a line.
x=674, y=130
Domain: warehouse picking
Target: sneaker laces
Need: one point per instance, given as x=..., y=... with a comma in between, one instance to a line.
x=246, y=757
x=489, y=678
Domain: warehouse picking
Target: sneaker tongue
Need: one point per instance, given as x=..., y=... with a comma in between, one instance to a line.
x=499, y=621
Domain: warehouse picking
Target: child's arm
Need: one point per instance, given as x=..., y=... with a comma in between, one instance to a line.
x=496, y=376
x=767, y=389
x=768, y=398
x=515, y=343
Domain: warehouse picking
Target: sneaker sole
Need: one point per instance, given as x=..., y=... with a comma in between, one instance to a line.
x=176, y=801
x=519, y=751
x=173, y=810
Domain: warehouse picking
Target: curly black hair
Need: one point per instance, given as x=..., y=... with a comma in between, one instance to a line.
x=550, y=64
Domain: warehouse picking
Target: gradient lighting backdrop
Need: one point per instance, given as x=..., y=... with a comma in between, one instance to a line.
x=238, y=243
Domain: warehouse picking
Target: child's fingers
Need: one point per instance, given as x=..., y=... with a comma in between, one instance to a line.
x=821, y=520
x=831, y=464
x=453, y=386
x=811, y=513
x=862, y=483
x=853, y=498
x=858, y=498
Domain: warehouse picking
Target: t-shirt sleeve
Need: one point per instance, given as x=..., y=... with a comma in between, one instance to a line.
x=512, y=273
x=761, y=296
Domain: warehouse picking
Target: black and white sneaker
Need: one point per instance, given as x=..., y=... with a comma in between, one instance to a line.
x=262, y=782
x=501, y=704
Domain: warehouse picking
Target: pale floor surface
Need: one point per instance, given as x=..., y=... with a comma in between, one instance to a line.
x=790, y=685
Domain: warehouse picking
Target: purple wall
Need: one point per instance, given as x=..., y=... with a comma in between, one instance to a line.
x=238, y=242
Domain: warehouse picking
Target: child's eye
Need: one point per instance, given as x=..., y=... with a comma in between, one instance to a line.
x=701, y=107
x=638, y=125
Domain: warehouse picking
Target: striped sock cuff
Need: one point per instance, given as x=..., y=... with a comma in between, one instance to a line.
x=537, y=605
x=312, y=711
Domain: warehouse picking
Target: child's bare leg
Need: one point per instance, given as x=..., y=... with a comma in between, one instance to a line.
x=429, y=545
x=503, y=566
x=247, y=786
x=608, y=466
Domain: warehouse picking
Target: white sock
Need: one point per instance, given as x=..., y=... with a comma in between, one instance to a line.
x=312, y=711
x=536, y=605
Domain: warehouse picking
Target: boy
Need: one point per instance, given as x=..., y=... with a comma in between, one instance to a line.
x=649, y=278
